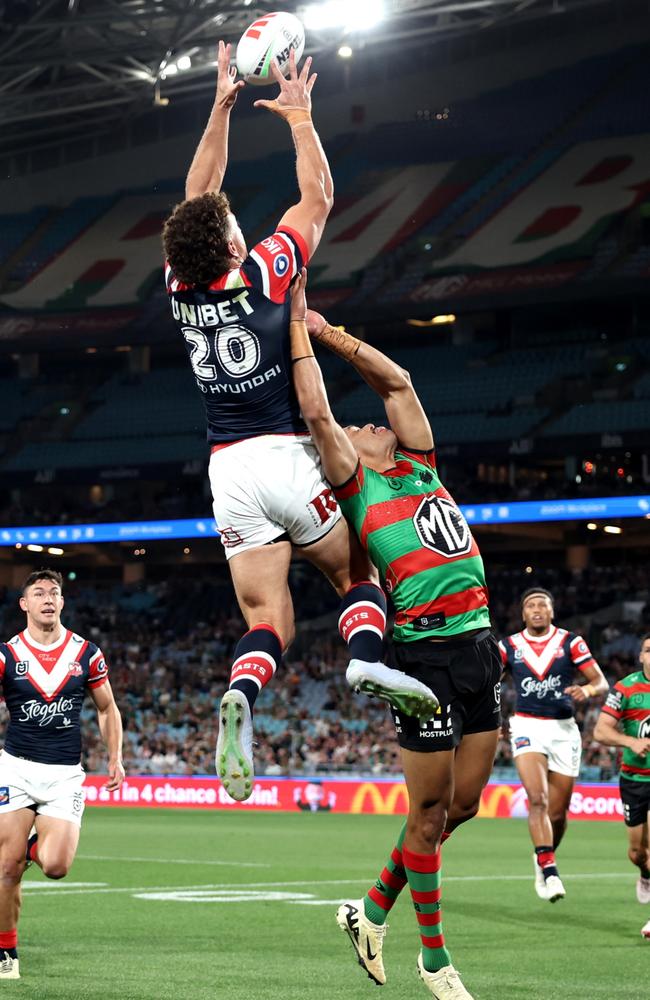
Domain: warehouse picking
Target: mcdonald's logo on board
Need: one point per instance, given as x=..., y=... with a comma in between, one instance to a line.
x=496, y=800
x=370, y=798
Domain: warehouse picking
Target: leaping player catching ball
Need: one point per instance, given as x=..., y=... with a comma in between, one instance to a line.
x=231, y=306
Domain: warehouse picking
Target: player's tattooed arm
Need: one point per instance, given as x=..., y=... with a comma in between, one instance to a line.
x=110, y=727
x=404, y=410
x=337, y=452
x=211, y=158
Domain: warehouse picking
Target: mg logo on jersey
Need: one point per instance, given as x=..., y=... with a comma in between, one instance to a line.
x=442, y=528
x=22, y=668
x=644, y=729
x=75, y=669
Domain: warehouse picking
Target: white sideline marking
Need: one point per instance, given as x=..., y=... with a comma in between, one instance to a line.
x=173, y=861
x=261, y=886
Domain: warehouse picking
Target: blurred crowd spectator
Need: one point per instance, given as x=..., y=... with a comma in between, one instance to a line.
x=169, y=647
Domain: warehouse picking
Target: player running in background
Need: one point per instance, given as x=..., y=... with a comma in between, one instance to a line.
x=45, y=671
x=232, y=309
x=628, y=705
x=386, y=482
x=545, y=739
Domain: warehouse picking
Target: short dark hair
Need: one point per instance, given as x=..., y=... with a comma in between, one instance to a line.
x=195, y=239
x=644, y=638
x=536, y=590
x=43, y=574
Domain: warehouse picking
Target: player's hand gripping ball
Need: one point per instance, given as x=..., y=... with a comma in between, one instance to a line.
x=270, y=37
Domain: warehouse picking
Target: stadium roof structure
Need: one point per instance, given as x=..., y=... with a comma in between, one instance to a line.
x=73, y=69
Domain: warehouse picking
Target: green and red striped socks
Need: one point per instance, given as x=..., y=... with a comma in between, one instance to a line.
x=423, y=874
x=379, y=900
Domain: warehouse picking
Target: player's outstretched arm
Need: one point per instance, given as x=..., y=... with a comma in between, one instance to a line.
x=110, y=727
x=606, y=731
x=403, y=408
x=211, y=157
x=293, y=104
x=335, y=448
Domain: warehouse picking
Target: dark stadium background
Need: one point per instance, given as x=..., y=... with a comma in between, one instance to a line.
x=491, y=161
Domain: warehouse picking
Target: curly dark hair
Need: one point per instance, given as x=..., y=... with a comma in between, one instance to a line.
x=195, y=239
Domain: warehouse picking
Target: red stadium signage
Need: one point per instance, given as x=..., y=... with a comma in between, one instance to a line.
x=384, y=797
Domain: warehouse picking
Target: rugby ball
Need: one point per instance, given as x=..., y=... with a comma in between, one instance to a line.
x=272, y=36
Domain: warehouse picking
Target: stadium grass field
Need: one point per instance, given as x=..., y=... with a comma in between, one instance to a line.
x=232, y=936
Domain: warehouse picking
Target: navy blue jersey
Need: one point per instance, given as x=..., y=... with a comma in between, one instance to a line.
x=44, y=689
x=236, y=331
x=542, y=667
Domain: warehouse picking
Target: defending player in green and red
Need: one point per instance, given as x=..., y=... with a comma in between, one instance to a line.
x=625, y=722
x=385, y=479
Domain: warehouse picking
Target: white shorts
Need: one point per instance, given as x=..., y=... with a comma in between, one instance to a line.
x=54, y=789
x=268, y=486
x=557, y=739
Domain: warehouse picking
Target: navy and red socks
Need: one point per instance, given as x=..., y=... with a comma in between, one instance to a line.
x=257, y=655
x=362, y=621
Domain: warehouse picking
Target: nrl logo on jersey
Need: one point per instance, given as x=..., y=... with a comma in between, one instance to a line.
x=644, y=729
x=22, y=668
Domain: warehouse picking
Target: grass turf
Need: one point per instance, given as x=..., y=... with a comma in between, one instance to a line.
x=230, y=936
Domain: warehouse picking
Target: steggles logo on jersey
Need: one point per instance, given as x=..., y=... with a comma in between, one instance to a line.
x=44, y=715
x=539, y=689
x=442, y=528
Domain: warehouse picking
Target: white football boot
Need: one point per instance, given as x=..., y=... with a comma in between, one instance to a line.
x=643, y=889
x=234, y=756
x=444, y=984
x=9, y=967
x=367, y=938
x=645, y=930
x=554, y=889
x=540, y=881
x=406, y=694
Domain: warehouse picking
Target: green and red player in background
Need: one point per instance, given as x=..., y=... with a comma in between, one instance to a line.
x=628, y=707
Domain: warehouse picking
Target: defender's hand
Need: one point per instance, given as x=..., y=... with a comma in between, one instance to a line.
x=316, y=323
x=295, y=91
x=298, y=297
x=228, y=86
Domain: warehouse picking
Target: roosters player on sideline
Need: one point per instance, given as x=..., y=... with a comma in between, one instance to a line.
x=387, y=484
x=232, y=309
x=45, y=671
x=545, y=739
x=628, y=705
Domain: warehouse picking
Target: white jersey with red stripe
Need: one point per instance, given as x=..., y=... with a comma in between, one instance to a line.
x=542, y=667
x=236, y=330
x=44, y=688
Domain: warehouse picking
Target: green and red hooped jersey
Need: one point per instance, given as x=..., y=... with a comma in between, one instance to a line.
x=421, y=544
x=629, y=703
